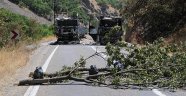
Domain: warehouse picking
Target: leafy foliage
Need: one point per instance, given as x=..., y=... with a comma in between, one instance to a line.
x=153, y=64
x=40, y=7
x=80, y=63
x=113, y=35
x=29, y=30
x=46, y=8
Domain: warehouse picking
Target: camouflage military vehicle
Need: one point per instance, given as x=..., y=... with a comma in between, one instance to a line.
x=67, y=30
x=105, y=25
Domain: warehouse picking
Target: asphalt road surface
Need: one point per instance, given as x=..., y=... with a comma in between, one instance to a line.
x=54, y=57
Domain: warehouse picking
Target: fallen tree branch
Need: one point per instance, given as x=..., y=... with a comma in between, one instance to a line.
x=79, y=63
x=63, y=73
x=41, y=81
x=57, y=78
x=142, y=75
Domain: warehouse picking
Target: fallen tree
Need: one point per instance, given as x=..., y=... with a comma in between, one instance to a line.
x=151, y=65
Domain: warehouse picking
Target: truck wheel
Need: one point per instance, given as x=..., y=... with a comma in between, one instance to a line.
x=102, y=41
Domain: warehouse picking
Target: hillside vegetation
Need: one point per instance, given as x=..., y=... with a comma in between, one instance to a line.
x=14, y=53
x=45, y=8
x=147, y=20
x=40, y=7
x=115, y=3
x=29, y=30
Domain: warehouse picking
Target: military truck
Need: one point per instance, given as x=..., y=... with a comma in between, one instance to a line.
x=105, y=24
x=67, y=30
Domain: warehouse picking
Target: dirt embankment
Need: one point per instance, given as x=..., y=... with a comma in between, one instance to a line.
x=22, y=11
x=177, y=37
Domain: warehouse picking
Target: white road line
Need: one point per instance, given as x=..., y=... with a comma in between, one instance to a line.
x=32, y=90
x=156, y=91
x=44, y=67
x=94, y=48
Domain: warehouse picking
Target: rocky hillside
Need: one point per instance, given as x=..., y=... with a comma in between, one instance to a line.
x=94, y=7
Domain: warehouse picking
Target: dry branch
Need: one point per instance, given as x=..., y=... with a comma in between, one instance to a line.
x=57, y=74
x=88, y=79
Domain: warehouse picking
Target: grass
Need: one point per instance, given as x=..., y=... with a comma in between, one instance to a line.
x=11, y=59
x=48, y=38
x=14, y=57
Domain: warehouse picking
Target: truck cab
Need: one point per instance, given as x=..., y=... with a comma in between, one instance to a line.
x=67, y=30
x=105, y=25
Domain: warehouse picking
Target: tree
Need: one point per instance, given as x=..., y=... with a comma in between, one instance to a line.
x=151, y=19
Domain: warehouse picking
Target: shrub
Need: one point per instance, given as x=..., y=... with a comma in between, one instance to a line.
x=152, y=64
x=153, y=18
x=28, y=29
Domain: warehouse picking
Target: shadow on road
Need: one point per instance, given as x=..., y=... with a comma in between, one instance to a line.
x=64, y=43
x=103, y=86
x=72, y=43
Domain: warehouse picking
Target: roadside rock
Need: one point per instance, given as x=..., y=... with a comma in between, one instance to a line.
x=87, y=40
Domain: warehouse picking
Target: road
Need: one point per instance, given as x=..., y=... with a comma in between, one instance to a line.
x=23, y=11
x=54, y=57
